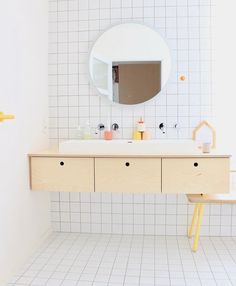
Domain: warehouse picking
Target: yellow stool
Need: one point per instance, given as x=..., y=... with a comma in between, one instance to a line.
x=199, y=200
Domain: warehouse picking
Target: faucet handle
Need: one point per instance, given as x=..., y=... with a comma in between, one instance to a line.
x=114, y=126
x=101, y=127
x=162, y=127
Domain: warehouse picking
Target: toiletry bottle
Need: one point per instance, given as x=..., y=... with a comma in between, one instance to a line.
x=141, y=125
x=137, y=135
x=79, y=132
x=147, y=135
x=108, y=132
x=87, y=131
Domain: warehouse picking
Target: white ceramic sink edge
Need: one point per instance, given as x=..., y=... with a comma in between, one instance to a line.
x=126, y=147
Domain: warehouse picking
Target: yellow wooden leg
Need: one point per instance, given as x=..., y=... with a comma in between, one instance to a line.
x=200, y=212
x=190, y=231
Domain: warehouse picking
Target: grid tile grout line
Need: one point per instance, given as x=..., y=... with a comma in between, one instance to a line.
x=155, y=260
x=216, y=250
x=83, y=117
x=94, y=247
x=86, y=259
x=128, y=259
x=102, y=258
x=115, y=259
x=159, y=214
x=75, y=101
x=31, y=263
x=194, y=261
x=207, y=261
x=167, y=260
x=141, y=260
x=48, y=259
x=181, y=260
x=62, y=258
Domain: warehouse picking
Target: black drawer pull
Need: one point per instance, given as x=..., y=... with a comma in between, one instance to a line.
x=195, y=164
x=62, y=163
x=127, y=164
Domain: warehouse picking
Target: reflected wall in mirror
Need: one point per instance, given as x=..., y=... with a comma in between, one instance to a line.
x=129, y=63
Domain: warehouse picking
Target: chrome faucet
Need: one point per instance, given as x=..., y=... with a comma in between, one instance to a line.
x=162, y=127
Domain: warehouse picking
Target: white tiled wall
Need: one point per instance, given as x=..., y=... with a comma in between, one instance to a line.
x=75, y=24
x=136, y=214
x=187, y=27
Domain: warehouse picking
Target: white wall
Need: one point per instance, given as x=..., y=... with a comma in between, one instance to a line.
x=24, y=216
x=225, y=43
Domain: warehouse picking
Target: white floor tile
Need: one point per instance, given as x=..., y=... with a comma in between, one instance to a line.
x=69, y=259
x=25, y=280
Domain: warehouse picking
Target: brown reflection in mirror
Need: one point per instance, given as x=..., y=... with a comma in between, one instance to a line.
x=136, y=82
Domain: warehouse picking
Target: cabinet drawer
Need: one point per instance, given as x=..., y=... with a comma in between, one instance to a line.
x=128, y=175
x=195, y=176
x=62, y=174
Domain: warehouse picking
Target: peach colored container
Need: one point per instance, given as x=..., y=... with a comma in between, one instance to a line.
x=147, y=135
x=108, y=135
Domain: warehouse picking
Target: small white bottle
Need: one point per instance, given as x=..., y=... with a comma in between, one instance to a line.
x=79, y=132
x=87, y=131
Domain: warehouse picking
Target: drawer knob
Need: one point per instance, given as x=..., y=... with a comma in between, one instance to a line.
x=127, y=164
x=62, y=163
x=195, y=164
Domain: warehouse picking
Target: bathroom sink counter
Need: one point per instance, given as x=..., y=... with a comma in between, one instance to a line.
x=195, y=154
x=130, y=148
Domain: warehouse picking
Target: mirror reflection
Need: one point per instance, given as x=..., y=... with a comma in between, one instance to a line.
x=129, y=63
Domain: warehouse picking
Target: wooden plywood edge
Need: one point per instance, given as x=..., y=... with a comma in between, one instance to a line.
x=197, y=154
x=214, y=199
x=30, y=173
x=199, y=126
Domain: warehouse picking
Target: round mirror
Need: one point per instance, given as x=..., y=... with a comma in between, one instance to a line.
x=129, y=63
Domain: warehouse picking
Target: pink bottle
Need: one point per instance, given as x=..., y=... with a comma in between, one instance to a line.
x=108, y=133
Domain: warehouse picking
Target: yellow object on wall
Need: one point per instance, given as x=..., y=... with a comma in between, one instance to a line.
x=182, y=77
x=5, y=116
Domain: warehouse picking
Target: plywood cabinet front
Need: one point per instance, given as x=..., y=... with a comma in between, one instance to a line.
x=195, y=175
x=128, y=175
x=62, y=174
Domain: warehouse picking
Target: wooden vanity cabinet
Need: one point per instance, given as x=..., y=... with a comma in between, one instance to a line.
x=195, y=175
x=62, y=174
x=186, y=174
x=128, y=175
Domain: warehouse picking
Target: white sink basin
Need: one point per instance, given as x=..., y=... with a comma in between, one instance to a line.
x=126, y=147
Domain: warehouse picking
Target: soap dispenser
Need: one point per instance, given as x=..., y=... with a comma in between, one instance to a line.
x=141, y=125
x=140, y=128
